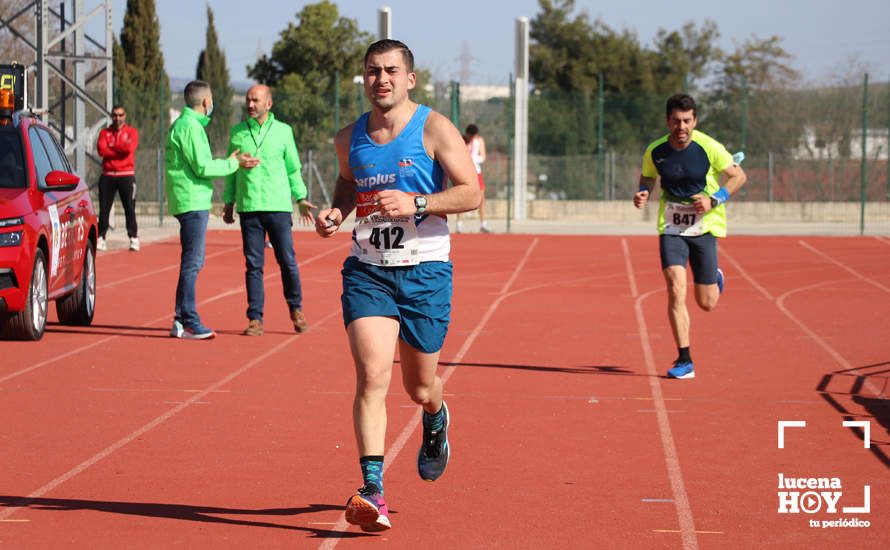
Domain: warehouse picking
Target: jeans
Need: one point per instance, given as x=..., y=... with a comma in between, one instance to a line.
x=192, y=235
x=254, y=226
x=126, y=187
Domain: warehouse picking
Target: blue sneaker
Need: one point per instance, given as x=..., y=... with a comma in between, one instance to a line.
x=197, y=332
x=368, y=510
x=682, y=370
x=434, y=452
x=720, y=280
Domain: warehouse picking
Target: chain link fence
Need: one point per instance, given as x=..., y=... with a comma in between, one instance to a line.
x=807, y=157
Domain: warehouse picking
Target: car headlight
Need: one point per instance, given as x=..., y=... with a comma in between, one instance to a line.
x=13, y=238
x=9, y=222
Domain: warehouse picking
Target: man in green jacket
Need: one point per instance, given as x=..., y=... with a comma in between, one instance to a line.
x=263, y=200
x=191, y=168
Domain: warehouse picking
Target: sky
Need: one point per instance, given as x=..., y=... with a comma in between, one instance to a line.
x=825, y=37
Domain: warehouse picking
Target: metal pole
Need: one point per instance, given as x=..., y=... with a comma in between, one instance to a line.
x=769, y=178
x=64, y=65
x=42, y=76
x=744, y=113
x=455, y=103
x=384, y=22
x=863, y=164
x=520, y=117
x=510, y=156
x=600, y=160
x=161, y=151
x=80, y=108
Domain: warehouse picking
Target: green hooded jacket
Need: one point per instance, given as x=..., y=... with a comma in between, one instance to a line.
x=269, y=186
x=190, y=165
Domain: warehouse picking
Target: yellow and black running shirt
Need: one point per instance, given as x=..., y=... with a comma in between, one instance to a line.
x=684, y=173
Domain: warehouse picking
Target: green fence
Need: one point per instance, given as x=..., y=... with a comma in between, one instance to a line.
x=802, y=146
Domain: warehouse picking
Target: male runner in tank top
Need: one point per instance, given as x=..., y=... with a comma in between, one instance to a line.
x=691, y=215
x=397, y=280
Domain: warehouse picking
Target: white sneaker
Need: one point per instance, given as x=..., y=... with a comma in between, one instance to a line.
x=134, y=244
x=176, y=330
x=101, y=244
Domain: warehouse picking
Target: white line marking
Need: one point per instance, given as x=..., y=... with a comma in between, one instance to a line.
x=672, y=460
x=846, y=268
x=782, y=424
x=412, y=424
x=147, y=324
x=630, y=272
x=162, y=269
x=838, y=358
x=745, y=275
x=80, y=468
x=866, y=430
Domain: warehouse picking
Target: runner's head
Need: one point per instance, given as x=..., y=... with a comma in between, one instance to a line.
x=389, y=73
x=681, y=118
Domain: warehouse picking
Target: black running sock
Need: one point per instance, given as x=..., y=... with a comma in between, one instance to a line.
x=372, y=470
x=684, y=355
x=434, y=422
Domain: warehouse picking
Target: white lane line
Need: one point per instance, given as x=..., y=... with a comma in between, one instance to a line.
x=412, y=424
x=780, y=304
x=671, y=458
x=195, y=399
x=843, y=266
x=740, y=269
x=838, y=358
x=77, y=351
x=118, y=282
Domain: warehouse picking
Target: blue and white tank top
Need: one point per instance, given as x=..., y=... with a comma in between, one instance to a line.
x=401, y=164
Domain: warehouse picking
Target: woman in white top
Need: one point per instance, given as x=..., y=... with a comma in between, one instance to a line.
x=476, y=146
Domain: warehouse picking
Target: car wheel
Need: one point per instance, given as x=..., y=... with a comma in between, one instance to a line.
x=30, y=323
x=77, y=308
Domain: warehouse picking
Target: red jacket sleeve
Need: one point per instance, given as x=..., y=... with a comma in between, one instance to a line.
x=102, y=146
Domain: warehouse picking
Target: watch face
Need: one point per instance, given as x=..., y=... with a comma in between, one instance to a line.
x=420, y=201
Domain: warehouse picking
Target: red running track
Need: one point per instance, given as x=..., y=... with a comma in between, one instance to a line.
x=566, y=434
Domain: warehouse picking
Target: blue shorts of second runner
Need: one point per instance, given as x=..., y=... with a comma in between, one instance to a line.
x=700, y=252
x=418, y=296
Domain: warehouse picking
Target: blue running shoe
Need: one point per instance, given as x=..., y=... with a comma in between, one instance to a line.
x=682, y=370
x=368, y=510
x=720, y=279
x=434, y=452
x=198, y=332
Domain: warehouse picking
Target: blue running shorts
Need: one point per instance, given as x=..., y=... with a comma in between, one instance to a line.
x=700, y=252
x=419, y=296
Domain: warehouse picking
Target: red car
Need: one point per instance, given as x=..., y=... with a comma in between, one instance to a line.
x=48, y=229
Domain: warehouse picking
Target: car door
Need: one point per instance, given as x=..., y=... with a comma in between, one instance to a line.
x=54, y=205
x=71, y=213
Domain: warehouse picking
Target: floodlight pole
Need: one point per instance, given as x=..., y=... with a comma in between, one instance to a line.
x=384, y=22
x=520, y=121
x=44, y=68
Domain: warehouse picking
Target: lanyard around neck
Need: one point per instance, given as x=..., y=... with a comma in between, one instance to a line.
x=263, y=135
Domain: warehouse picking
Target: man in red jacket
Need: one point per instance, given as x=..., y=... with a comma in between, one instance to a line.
x=117, y=147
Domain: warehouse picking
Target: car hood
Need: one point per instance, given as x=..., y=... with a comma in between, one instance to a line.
x=14, y=203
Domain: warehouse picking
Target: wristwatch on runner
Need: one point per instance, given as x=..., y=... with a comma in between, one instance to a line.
x=420, y=203
x=714, y=202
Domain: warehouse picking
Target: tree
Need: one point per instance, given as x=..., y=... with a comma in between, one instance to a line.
x=303, y=69
x=754, y=83
x=141, y=83
x=13, y=48
x=213, y=69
